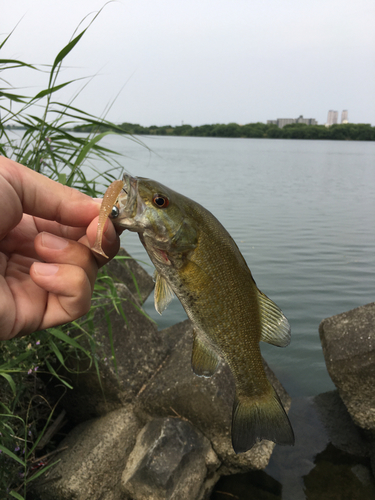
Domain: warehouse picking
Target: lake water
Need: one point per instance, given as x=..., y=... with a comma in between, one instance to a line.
x=301, y=212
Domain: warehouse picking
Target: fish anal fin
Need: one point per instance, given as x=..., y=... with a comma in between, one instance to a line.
x=260, y=418
x=163, y=293
x=204, y=360
x=275, y=328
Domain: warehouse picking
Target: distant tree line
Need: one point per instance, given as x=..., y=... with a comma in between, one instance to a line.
x=347, y=131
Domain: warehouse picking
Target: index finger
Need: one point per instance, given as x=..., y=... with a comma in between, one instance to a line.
x=24, y=190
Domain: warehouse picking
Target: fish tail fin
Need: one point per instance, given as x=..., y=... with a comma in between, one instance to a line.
x=256, y=418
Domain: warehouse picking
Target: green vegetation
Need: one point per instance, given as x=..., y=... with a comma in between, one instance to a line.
x=349, y=131
x=46, y=145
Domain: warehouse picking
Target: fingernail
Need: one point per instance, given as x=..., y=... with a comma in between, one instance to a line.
x=53, y=242
x=110, y=232
x=45, y=269
x=97, y=200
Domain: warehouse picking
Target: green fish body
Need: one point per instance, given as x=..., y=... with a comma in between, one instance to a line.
x=197, y=259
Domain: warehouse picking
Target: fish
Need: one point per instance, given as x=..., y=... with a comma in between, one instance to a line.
x=197, y=260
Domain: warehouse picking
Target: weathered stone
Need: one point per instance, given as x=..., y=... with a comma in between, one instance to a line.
x=348, y=342
x=339, y=475
x=171, y=460
x=173, y=457
x=136, y=343
x=91, y=466
x=126, y=270
x=342, y=432
x=205, y=402
x=139, y=351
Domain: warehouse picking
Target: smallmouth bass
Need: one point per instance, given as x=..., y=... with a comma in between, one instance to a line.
x=197, y=260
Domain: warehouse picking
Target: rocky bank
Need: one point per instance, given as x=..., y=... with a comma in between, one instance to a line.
x=153, y=430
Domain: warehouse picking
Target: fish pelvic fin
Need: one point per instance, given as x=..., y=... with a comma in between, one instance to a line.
x=260, y=418
x=204, y=360
x=275, y=327
x=163, y=293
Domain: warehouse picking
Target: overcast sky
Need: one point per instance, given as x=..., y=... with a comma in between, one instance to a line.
x=204, y=61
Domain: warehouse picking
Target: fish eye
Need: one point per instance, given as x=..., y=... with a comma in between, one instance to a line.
x=114, y=213
x=160, y=201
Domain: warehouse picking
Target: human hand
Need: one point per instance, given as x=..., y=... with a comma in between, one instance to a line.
x=47, y=270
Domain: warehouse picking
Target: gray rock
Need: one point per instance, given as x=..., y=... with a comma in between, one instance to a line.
x=345, y=435
x=363, y=474
x=171, y=460
x=348, y=342
x=92, y=461
x=205, y=402
x=127, y=271
x=180, y=454
x=139, y=352
x=342, y=432
x=339, y=475
x=136, y=343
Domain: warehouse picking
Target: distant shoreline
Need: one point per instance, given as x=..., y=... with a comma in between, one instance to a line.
x=347, y=131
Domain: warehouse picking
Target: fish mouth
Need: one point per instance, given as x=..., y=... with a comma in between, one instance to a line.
x=127, y=201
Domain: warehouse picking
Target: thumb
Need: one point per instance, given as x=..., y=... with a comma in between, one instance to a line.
x=69, y=292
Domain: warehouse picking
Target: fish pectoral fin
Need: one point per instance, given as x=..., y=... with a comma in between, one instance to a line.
x=163, y=293
x=275, y=328
x=204, y=360
x=257, y=418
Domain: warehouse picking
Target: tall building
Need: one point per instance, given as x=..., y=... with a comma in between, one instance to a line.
x=344, y=116
x=332, y=118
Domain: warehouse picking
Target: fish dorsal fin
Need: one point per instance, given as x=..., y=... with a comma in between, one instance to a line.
x=204, y=360
x=163, y=293
x=275, y=326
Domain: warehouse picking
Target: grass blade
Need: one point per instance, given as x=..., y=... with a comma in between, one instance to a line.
x=89, y=146
x=63, y=336
x=65, y=51
x=10, y=382
x=52, y=370
x=58, y=354
x=109, y=325
x=11, y=455
x=15, y=63
x=14, y=494
x=41, y=471
x=51, y=90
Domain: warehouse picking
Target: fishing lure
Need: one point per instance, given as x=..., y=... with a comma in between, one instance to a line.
x=109, y=200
